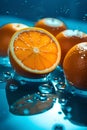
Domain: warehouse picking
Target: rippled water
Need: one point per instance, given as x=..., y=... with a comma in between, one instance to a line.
x=28, y=97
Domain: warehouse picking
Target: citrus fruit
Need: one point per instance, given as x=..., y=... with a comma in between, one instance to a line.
x=34, y=52
x=52, y=25
x=6, y=32
x=68, y=38
x=75, y=65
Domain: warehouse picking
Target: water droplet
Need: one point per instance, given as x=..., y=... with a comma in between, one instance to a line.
x=63, y=101
x=29, y=101
x=36, y=96
x=26, y=111
x=56, y=80
x=69, y=109
x=7, y=12
x=73, y=92
x=54, y=99
x=58, y=127
x=45, y=88
x=13, y=87
x=12, y=107
x=83, y=56
x=68, y=116
x=23, y=82
x=7, y=75
x=42, y=98
x=59, y=112
x=61, y=86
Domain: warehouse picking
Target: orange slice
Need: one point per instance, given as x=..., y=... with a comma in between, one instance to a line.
x=53, y=25
x=75, y=65
x=34, y=51
x=6, y=32
x=69, y=38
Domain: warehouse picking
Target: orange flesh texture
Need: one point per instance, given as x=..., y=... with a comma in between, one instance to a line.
x=66, y=43
x=35, y=50
x=75, y=67
x=52, y=30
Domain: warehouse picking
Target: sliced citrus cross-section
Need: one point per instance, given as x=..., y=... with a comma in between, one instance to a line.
x=34, y=51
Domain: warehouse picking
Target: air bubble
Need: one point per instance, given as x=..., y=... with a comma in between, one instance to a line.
x=13, y=87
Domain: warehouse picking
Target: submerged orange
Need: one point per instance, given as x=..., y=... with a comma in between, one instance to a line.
x=6, y=32
x=53, y=25
x=34, y=52
x=75, y=65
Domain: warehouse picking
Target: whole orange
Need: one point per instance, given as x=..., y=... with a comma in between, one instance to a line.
x=75, y=65
x=69, y=38
x=53, y=25
x=6, y=32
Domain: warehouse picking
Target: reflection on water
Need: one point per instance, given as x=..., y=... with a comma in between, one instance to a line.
x=75, y=109
x=32, y=96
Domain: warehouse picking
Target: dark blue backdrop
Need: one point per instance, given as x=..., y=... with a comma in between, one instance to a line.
x=35, y=9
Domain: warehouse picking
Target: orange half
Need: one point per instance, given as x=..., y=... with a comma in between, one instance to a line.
x=34, y=51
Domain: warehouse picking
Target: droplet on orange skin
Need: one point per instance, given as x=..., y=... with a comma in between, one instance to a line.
x=75, y=66
x=69, y=38
x=6, y=32
x=52, y=25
